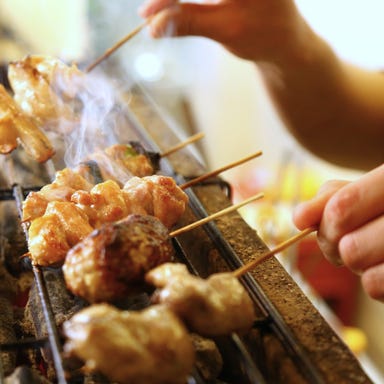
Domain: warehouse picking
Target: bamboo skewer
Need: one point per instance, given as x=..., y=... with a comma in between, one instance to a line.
x=183, y=144
x=115, y=47
x=219, y=170
x=285, y=244
x=215, y=215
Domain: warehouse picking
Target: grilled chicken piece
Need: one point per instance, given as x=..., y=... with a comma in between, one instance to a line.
x=210, y=307
x=45, y=89
x=111, y=262
x=51, y=236
x=156, y=195
x=8, y=293
x=54, y=233
x=35, y=143
x=141, y=347
x=134, y=158
x=61, y=189
x=8, y=132
x=104, y=203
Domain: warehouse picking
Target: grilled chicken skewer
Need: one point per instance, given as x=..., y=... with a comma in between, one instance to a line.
x=147, y=346
x=224, y=305
x=45, y=88
x=65, y=223
x=216, y=306
x=112, y=261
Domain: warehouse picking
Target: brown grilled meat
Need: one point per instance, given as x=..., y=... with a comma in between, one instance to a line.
x=111, y=262
x=148, y=346
x=210, y=307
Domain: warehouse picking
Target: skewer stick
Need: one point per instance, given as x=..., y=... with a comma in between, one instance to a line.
x=285, y=244
x=215, y=215
x=219, y=170
x=183, y=144
x=115, y=47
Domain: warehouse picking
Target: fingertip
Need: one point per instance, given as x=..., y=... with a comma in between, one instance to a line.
x=159, y=25
x=300, y=217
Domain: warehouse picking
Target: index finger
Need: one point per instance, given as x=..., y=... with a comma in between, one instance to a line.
x=151, y=7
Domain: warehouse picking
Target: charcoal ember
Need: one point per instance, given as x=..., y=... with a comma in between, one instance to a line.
x=13, y=235
x=7, y=330
x=25, y=375
x=7, y=335
x=209, y=361
x=63, y=304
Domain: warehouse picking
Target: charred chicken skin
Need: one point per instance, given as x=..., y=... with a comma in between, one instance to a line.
x=218, y=305
x=148, y=346
x=111, y=262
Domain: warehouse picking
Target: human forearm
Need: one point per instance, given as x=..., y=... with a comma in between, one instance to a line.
x=334, y=109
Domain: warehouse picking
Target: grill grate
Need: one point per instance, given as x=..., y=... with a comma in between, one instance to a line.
x=246, y=359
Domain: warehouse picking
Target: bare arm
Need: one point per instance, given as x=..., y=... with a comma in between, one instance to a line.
x=332, y=108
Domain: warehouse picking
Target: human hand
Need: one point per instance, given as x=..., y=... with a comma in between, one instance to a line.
x=350, y=221
x=251, y=29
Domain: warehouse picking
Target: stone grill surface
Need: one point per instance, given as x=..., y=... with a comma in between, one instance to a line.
x=290, y=342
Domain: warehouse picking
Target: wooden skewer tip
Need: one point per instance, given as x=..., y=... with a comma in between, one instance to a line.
x=214, y=216
x=219, y=170
x=190, y=140
x=116, y=46
x=285, y=244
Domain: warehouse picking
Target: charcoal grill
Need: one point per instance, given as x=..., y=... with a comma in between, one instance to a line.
x=290, y=341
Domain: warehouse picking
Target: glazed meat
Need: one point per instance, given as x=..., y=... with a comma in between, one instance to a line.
x=111, y=262
x=18, y=126
x=210, y=307
x=105, y=203
x=61, y=189
x=45, y=88
x=148, y=346
x=156, y=195
x=52, y=235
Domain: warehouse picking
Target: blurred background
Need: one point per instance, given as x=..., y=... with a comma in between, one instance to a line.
x=198, y=86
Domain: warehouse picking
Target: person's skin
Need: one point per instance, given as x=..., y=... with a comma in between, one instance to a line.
x=334, y=109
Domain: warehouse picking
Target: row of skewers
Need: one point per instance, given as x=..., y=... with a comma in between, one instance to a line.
x=111, y=238
x=115, y=260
